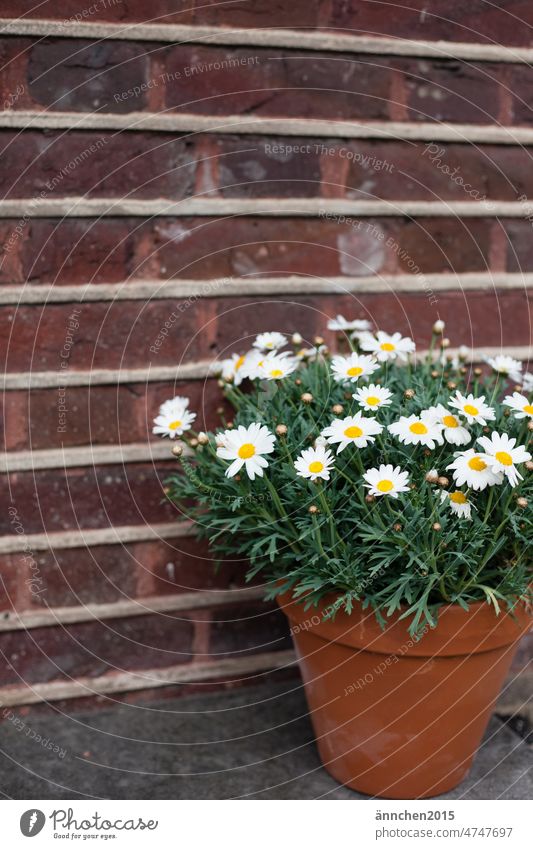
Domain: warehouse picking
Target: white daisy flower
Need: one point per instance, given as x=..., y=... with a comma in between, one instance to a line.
x=520, y=404
x=311, y=353
x=418, y=430
x=276, y=366
x=339, y=323
x=386, y=481
x=387, y=347
x=473, y=409
x=506, y=365
x=231, y=369
x=270, y=341
x=245, y=446
x=373, y=396
x=459, y=503
x=527, y=381
x=353, y=367
x=314, y=463
x=471, y=468
x=174, y=418
x=501, y=454
x=356, y=429
x=453, y=431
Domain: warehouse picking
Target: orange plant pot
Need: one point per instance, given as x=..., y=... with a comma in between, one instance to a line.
x=395, y=717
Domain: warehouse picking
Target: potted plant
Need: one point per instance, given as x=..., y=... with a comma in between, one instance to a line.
x=385, y=498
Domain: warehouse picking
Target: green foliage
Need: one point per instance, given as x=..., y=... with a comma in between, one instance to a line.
x=410, y=554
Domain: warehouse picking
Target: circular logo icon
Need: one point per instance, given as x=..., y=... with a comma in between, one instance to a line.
x=32, y=822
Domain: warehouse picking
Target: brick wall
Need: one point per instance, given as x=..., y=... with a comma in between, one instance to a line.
x=282, y=176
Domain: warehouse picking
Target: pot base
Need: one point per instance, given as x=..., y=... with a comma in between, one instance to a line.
x=402, y=719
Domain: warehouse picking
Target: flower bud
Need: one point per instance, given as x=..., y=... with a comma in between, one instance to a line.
x=445, y=343
x=435, y=373
x=530, y=424
x=220, y=384
x=397, y=526
x=203, y=438
x=177, y=450
x=220, y=410
x=313, y=509
x=409, y=393
x=298, y=382
x=529, y=465
x=436, y=526
x=478, y=372
x=521, y=502
x=306, y=397
x=370, y=498
x=443, y=481
x=439, y=326
x=432, y=476
x=451, y=385
x=230, y=425
x=337, y=409
x=318, y=340
x=297, y=339
x=193, y=442
x=281, y=430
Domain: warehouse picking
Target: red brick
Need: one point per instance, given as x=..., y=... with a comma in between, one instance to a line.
x=184, y=565
x=519, y=81
x=57, y=500
x=259, y=13
x=13, y=575
x=95, y=648
x=96, y=164
x=95, y=73
x=287, y=84
x=520, y=247
x=451, y=91
x=80, y=250
x=121, y=11
x=99, y=415
x=279, y=167
x=450, y=20
x=237, y=631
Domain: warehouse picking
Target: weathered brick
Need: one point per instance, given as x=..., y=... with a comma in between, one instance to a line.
x=99, y=415
x=450, y=20
x=183, y=565
x=259, y=167
x=237, y=631
x=451, y=91
x=227, y=81
x=121, y=11
x=96, y=164
x=92, y=497
x=71, y=74
x=520, y=246
x=520, y=80
x=95, y=648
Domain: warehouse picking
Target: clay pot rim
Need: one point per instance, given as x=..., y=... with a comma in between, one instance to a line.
x=459, y=632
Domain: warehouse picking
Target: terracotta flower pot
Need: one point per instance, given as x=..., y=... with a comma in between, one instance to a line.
x=395, y=717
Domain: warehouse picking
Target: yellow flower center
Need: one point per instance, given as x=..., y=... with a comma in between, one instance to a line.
x=471, y=410
x=458, y=498
x=175, y=425
x=450, y=421
x=354, y=371
x=246, y=451
x=315, y=467
x=353, y=432
x=477, y=464
x=385, y=486
x=528, y=409
x=239, y=363
x=387, y=346
x=418, y=427
x=504, y=458
x=372, y=401
x=276, y=372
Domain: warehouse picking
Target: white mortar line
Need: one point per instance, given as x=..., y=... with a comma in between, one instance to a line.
x=85, y=455
x=267, y=37
x=252, y=124
x=18, y=621
x=134, y=290
x=85, y=538
x=328, y=209
x=229, y=669
x=192, y=371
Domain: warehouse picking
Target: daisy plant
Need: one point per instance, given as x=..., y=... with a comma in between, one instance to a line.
x=374, y=474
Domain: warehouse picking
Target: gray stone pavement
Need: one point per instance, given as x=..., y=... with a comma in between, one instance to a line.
x=255, y=742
